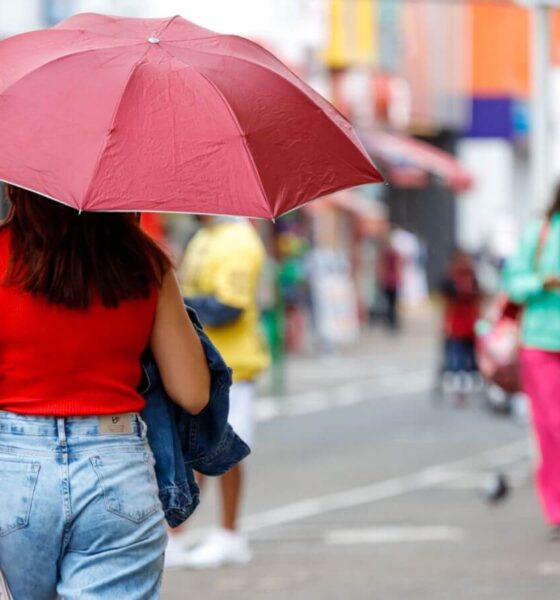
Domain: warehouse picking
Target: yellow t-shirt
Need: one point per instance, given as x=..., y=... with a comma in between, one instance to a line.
x=225, y=260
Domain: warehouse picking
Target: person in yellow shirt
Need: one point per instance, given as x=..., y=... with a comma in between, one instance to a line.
x=220, y=276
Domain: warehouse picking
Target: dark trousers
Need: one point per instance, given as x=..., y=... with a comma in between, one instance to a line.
x=391, y=313
x=459, y=355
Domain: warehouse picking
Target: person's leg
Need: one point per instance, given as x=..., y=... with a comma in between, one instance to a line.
x=231, y=489
x=541, y=381
x=242, y=419
x=392, y=315
x=227, y=545
x=31, y=515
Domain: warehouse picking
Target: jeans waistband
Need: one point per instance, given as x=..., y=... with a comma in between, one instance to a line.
x=64, y=427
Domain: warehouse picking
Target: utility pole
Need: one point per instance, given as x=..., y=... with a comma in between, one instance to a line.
x=540, y=146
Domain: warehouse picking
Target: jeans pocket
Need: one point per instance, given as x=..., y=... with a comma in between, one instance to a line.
x=18, y=479
x=128, y=483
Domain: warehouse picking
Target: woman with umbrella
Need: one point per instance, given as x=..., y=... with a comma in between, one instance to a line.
x=112, y=114
x=81, y=297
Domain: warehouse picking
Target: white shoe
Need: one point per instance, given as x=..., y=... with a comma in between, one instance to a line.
x=222, y=547
x=175, y=553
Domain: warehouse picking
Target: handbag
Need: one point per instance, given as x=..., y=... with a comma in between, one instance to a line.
x=4, y=591
x=498, y=336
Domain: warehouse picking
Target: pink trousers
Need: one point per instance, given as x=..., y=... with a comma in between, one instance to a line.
x=540, y=373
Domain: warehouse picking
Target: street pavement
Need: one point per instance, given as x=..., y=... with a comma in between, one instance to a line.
x=361, y=487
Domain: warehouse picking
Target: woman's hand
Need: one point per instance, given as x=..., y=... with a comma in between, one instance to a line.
x=177, y=350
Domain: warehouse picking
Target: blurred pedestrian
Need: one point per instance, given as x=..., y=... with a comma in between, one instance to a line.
x=81, y=296
x=389, y=279
x=413, y=280
x=220, y=277
x=532, y=278
x=461, y=310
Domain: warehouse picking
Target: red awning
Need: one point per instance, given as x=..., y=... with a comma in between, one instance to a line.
x=371, y=218
x=409, y=162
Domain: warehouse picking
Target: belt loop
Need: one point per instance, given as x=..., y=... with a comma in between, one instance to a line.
x=142, y=427
x=61, y=430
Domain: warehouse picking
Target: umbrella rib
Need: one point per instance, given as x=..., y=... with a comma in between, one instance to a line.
x=166, y=25
x=111, y=126
x=236, y=122
x=39, y=193
x=242, y=135
x=307, y=92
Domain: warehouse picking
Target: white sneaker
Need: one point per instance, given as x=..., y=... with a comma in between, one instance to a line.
x=222, y=547
x=175, y=553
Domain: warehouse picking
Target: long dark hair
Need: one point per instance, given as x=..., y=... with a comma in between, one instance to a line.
x=68, y=257
x=555, y=204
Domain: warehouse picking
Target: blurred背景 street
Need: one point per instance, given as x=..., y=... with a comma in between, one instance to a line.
x=362, y=485
x=394, y=454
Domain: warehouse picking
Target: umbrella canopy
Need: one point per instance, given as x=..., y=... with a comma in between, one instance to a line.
x=110, y=113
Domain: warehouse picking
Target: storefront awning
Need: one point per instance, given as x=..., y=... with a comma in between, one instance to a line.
x=371, y=216
x=408, y=162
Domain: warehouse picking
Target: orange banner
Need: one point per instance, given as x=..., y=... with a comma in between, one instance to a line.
x=500, y=50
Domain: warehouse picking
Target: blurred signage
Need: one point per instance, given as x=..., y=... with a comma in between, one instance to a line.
x=334, y=297
x=539, y=3
x=391, y=36
x=392, y=100
x=352, y=34
x=368, y=97
x=57, y=10
x=437, y=62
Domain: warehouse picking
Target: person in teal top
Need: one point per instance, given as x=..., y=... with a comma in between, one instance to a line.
x=531, y=278
x=536, y=283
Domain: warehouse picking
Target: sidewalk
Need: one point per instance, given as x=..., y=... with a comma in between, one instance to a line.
x=361, y=488
x=377, y=352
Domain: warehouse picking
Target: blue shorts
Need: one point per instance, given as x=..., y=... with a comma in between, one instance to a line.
x=80, y=515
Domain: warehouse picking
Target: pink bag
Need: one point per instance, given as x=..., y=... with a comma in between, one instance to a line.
x=498, y=336
x=497, y=344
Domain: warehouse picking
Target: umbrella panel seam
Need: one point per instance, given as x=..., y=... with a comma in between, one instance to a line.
x=308, y=92
x=237, y=125
x=111, y=127
x=166, y=25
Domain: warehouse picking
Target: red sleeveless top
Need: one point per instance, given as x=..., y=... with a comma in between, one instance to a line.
x=66, y=362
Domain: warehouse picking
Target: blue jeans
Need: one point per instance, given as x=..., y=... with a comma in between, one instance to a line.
x=79, y=509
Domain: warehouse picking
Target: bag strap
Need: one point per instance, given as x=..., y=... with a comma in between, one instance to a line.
x=543, y=235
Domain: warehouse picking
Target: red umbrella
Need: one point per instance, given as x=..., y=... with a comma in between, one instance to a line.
x=110, y=113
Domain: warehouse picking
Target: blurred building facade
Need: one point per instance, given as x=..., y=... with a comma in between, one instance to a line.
x=458, y=76
x=453, y=75
x=404, y=67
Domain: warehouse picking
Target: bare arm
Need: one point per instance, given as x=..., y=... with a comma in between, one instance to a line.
x=178, y=351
